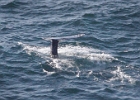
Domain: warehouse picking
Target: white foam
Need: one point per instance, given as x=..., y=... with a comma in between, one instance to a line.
x=40, y=51
x=68, y=54
x=122, y=76
x=85, y=52
x=48, y=73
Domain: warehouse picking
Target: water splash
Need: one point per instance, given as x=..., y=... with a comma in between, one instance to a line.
x=71, y=58
x=85, y=52
x=68, y=57
x=119, y=75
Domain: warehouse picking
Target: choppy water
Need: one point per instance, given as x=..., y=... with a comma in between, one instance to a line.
x=102, y=65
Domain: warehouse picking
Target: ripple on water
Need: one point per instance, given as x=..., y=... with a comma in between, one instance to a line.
x=11, y=4
x=102, y=65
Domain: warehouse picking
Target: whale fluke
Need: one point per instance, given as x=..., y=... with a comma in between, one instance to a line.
x=55, y=41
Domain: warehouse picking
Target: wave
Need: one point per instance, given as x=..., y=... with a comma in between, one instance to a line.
x=13, y=4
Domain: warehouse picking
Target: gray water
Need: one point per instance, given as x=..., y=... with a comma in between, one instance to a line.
x=102, y=65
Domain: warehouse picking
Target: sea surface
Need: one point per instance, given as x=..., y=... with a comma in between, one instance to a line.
x=104, y=64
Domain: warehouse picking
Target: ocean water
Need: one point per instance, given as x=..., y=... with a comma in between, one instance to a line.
x=104, y=64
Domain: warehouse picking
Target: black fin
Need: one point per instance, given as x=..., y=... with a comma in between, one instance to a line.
x=54, y=47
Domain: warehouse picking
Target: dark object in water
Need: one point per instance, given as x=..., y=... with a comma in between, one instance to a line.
x=55, y=41
x=54, y=48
